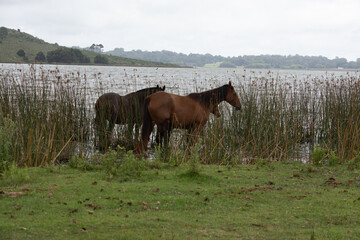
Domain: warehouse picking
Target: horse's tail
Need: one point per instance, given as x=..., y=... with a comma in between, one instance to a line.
x=101, y=138
x=99, y=114
x=97, y=117
x=146, y=129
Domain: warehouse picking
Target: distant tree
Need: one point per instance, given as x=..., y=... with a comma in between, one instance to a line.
x=67, y=55
x=3, y=33
x=101, y=47
x=21, y=53
x=40, y=57
x=96, y=47
x=248, y=61
x=238, y=61
x=340, y=62
x=100, y=59
x=352, y=64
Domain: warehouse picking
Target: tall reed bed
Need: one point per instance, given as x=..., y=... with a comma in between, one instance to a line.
x=49, y=113
x=339, y=114
x=285, y=119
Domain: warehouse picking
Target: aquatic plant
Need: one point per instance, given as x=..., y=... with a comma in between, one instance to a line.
x=283, y=117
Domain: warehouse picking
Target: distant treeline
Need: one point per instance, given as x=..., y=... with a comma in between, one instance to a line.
x=248, y=61
x=67, y=55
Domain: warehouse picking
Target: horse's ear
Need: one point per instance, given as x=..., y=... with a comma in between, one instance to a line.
x=157, y=86
x=163, y=88
x=230, y=83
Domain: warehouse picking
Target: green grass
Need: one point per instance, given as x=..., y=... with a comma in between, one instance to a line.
x=212, y=65
x=261, y=201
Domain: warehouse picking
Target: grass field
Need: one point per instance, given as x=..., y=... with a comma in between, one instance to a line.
x=260, y=201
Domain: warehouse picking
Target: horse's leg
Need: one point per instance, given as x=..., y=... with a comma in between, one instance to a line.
x=188, y=139
x=164, y=133
x=167, y=136
x=162, y=137
x=100, y=128
x=144, y=139
x=108, y=134
x=157, y=138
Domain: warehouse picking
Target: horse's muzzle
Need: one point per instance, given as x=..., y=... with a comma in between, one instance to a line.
x=238, y=107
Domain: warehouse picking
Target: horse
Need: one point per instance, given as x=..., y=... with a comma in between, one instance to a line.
x=111, y=109
x=189, y=112
x=214, y=111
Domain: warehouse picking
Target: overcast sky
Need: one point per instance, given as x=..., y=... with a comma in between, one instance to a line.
x=328, y=28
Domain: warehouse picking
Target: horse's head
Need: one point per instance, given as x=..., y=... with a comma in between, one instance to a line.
x=232, y=98
x=152, y=90
x=160, y=88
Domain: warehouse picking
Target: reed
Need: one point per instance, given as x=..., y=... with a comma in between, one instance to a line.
x=340, y=113
x=50, y=112
x=283, y=118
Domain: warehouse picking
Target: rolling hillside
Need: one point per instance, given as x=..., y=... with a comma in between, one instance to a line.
x=11, y=41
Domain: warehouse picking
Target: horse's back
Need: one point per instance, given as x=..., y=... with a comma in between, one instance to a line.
x=107, y=105
x=160, y=106
x=182, y=109
x=107, y=99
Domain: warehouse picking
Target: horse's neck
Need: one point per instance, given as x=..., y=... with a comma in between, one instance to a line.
x=209, y=99
x=219, y=96
x=212, y=97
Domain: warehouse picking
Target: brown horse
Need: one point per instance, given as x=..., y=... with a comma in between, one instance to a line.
x=190, y=112
x=214, y=111
x=111, y=109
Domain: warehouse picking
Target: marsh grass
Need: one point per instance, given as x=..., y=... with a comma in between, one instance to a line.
x=7, y=132
x=50, y=112
x=285, y=119
x=282, y=118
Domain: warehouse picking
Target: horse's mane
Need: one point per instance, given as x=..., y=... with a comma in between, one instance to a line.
x=211, y=96
x=152, y=89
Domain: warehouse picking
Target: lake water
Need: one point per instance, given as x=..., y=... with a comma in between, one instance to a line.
x=123, y=80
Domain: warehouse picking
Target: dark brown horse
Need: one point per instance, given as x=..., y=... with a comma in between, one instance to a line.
x=111, y=109
x=190, y=112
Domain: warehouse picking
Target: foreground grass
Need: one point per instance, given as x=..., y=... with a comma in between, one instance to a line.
x=262, y=201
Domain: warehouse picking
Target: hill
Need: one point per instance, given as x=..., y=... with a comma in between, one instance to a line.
x=248, y=61
x=11, y=41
